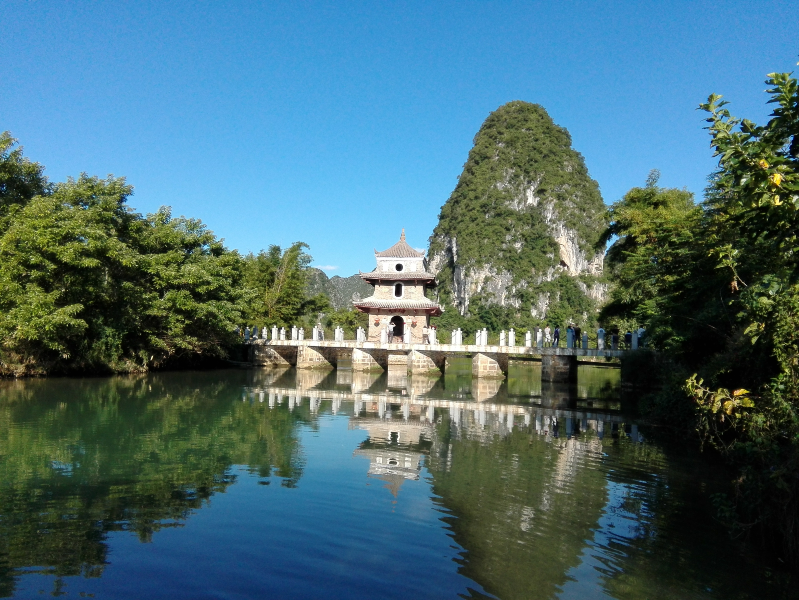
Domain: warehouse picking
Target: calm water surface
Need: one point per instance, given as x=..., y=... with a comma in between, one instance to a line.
x=286, y=484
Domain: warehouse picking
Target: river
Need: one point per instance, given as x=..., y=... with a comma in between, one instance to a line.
x=286, y=484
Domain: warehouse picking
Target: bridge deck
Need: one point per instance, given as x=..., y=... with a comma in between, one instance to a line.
x=449, y=348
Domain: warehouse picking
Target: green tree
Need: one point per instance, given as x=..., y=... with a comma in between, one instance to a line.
x=752, y=208
x=653, y=264
x=20, y=179
x=88, y=284
x=85, y=283
x=276, y=282
x=719, y=288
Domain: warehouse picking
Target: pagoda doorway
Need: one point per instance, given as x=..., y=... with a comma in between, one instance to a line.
x=398, y=325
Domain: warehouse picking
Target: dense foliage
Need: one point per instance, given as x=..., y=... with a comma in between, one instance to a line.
x=87, y=284
x=653, y=264
x=522, y=186
x=719, y=287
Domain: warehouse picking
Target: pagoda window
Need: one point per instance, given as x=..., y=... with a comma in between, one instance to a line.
x=398, y=290
x=398, y=266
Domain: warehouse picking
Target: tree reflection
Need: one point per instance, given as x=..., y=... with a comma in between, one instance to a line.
x=82, y=458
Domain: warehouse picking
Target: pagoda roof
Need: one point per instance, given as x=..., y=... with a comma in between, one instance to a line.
x=398, y=304
x=400, y=250
x=376, y=275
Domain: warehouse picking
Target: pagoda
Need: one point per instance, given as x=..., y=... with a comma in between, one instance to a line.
x=398, y=301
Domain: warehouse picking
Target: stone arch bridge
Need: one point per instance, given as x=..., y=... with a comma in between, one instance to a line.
x=557, y=364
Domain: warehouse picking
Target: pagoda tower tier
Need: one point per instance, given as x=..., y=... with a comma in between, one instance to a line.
x=398, y=302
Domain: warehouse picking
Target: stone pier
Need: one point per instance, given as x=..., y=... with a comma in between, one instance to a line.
x=277, y=356
x=558, y=368
x=426, y=362
x=316, y=357
x=369, y=360
x=492, y=365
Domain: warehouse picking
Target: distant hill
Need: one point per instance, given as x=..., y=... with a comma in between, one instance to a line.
x=521, y=232
x=340, y=290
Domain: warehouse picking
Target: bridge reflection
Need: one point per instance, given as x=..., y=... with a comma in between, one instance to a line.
x=485, y=405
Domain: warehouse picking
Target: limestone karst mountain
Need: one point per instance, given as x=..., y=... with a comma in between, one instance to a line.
x=521, y=231
x=340, y=290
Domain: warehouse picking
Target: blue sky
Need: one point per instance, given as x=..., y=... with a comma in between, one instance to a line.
x=338, y=123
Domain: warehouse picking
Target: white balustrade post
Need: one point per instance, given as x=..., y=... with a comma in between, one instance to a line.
x=512, y=338
x=585, y=340
x=247, y=334
x=600, y=339
x=301, y=334
x=275, y=335
x=502, y=338
x=539, y=338
x=264, y=334
x=282, y=334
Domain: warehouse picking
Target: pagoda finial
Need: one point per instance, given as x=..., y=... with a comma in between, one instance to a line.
x=402, y=235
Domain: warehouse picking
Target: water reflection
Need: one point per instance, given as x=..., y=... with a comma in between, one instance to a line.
x=395, y=449
x=544, y=490
x=80, y=459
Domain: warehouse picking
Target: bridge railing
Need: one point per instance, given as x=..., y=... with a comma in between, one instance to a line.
x=538, y=337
